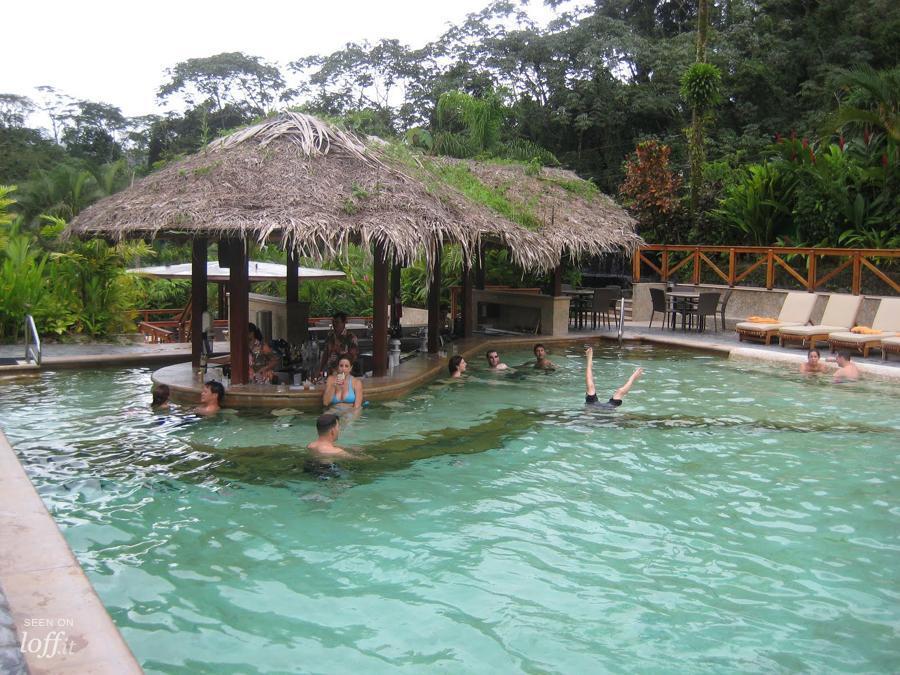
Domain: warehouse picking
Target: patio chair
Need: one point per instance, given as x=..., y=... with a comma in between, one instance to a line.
x=795, y=311
x=723, y=303
x=840, y=315
x=658, y=301
x=887, y=320
x=603, y=302
x=707, y=305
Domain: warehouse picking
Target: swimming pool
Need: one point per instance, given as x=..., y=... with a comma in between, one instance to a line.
x=723, y=519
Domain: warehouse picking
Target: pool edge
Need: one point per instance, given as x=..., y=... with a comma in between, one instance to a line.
x=60, y=622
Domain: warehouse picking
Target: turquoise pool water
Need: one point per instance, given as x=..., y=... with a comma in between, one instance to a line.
x=724, y=519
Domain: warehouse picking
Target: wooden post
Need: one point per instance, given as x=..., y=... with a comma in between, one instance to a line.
x=665, y=265
x=479, y=267
x=732, y=267
x=770, y=269
x=434, y=303
x=396, y=299
x=239, y=312
x=379, y=312
x=557, y=280
x=811, y=275
x=468, y=311
x=198, y=297
x=297, y=315
x=222, y=312
x=696, y=278
x=636, y=266
x=857, y=274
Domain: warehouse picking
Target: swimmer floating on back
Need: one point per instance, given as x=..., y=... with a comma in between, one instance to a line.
x=590, y=394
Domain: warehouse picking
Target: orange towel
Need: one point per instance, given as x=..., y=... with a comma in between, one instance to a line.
x=865, y=330
x=762, y=319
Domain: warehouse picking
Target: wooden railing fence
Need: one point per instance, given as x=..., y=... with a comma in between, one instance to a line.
x=744, y=260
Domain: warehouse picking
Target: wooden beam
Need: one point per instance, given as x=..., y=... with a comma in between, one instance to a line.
x=297, y=315
x=881, y=275
x=468, y=310
x=396, y=299
x=198, y=297
x=434, y=304
x=239, y=312
x=380, y=312
x=557, y=280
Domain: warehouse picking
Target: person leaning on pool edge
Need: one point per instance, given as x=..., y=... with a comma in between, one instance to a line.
x=590, y=393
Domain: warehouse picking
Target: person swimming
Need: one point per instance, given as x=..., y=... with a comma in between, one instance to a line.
x=457, y=366
x=590, y=394
x=540, y=358
x=342, y=387
x=493, y=360
x=813, y=362
x=211, y=398
x=160, y=395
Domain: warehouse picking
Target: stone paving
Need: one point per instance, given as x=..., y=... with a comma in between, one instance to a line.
x=11, y=660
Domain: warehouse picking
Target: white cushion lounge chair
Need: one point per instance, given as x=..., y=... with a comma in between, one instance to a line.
x=840, y=315
x=795, y=311
x=887, y=320
x=889, y=345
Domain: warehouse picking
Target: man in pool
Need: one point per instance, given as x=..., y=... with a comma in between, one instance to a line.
x=493, y=359
x=211, y=398
x=328, y=427
x=813, y=362
x=847, y=370
x=540, y=358
x=590, y=394
x=457, y=366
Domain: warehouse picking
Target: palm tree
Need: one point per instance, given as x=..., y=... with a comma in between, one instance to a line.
x=880, y=89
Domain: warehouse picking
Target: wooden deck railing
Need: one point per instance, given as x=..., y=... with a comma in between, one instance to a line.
x=743, y=260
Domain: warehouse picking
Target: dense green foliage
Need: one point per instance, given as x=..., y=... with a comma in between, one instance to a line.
x=711, y=86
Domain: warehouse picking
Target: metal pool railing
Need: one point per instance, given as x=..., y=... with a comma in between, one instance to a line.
x=32, y=341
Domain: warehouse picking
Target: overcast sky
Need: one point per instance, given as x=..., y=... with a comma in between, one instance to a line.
x=117, y=52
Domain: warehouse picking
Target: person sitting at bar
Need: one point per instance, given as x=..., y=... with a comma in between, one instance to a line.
x=265, y=363
x=341, y=387
x=339, y=341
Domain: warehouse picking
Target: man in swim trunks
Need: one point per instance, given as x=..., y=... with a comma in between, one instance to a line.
x=540, y=358
x=813, y=363
x=847, y=370
x=493, y=359
x=590, y=394
x=328, y=427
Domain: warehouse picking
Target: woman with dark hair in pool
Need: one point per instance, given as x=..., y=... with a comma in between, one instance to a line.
x=813, y=362
x=341, y=386
x=457, y=366
x=160, y=394
x=590, y=394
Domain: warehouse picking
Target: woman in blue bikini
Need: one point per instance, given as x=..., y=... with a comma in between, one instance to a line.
x=341, y=387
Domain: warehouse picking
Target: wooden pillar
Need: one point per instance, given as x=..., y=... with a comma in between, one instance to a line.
x=239, y=311
x=468, y=311
x=811, y=274
x=198, y=297
x=732, y=267
x=222, y=312
x=557, y=280
x=297, y=314
x=396, y=300
x=479, y=267
x=856, y=281
x=636, y=266
x=770, y=269
x=380, y=312
x=434, y=304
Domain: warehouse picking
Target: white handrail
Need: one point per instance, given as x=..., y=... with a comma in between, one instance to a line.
x=32, y=341
x=621, y=317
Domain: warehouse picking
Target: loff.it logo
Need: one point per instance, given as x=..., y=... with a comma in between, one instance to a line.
x=46, y=645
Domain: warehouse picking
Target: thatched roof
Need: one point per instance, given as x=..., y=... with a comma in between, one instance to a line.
x=300, y=182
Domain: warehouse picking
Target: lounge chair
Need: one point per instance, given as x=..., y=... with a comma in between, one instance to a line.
x=889, y=345
x=840, y=315
x=887, y=320
x=795, y=311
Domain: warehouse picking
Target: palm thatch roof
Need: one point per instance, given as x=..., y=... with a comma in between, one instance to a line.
x=299, y=182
